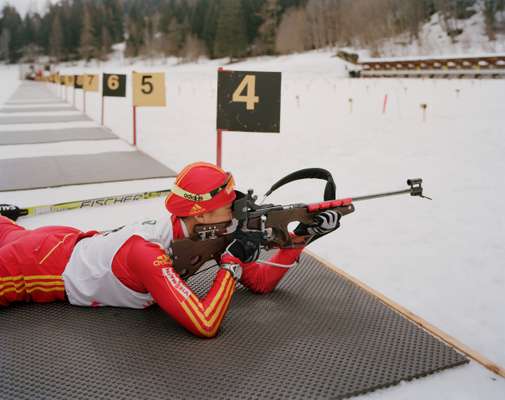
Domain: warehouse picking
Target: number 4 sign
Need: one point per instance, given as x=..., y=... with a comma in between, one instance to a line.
x=149, y=89
x=248, y=101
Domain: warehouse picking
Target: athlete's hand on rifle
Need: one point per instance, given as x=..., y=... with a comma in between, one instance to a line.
x=244, y=246
x=10, y=211
x=324, y=223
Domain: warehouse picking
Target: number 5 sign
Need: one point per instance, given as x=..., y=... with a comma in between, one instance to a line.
x=149, y=89
x=248, y=101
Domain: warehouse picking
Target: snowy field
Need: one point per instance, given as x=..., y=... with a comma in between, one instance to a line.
x=441, y=259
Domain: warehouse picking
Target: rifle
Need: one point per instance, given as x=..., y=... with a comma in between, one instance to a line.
x=267, y=223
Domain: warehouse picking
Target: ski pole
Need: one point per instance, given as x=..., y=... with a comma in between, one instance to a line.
x=13, y=212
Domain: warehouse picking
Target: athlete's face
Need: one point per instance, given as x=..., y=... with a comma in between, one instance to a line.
x=223, y=214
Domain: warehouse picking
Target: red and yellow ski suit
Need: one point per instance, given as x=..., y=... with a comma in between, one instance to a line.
x=32, y=263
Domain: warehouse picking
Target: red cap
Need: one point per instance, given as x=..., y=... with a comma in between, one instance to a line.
x=199, y=188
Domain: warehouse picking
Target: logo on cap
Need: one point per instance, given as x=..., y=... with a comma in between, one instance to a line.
x=192, y=197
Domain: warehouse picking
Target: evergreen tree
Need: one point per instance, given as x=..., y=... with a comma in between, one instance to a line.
x=198, y=17
x=115, y=18
x=105, y=42
x=149, y=37
x=13, y=38
x=56, y=40
x=86, y=45
x=269, y=13
x=5, y=40
x=210, y=25
x=231, y=39
x=29, y=29
x=252, y=18
x=135, y=30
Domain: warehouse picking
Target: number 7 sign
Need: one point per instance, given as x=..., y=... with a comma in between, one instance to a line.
x=91, y=83
x=248, y=101
x=149, y=89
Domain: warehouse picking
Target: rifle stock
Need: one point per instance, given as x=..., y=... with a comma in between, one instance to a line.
x=189, y=255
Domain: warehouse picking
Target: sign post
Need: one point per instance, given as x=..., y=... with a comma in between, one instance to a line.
x=219, y=149
x=78, y=83
x=385, y=104
x=113, y=85
x=148, y=91
x=134, y=125
x=103, y=107
x=247, y=101
x=63, y=81
x=89, y=84
x=69, y=82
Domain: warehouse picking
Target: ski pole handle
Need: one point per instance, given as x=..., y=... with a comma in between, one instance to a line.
x=11, y=211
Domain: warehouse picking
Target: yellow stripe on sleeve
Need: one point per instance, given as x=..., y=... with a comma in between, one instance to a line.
x=32, y=277
x=195, y=303
x=28, y=277
x=205, y=332
x=57, y=287
x=211, y=306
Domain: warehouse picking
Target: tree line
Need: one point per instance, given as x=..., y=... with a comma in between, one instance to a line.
x=87, y=29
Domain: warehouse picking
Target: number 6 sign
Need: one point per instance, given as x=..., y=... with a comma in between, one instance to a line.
x=149, y=89
x=114, y=85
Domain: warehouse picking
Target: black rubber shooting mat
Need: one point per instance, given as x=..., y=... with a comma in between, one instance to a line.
x=54, y=171
x=55, y=135
x=317, y=336
x=16, y=110
x=41, y=119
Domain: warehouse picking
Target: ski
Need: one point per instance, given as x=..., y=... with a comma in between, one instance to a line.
x=15, y=212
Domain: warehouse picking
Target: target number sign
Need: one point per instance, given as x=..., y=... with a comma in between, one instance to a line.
x=78, y=81
x=114, y=85
x=90, y=83
x=249, y=101
x=69, y=80
x=149, y=89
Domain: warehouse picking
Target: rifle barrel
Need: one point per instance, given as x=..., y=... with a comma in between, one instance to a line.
x=386, y=194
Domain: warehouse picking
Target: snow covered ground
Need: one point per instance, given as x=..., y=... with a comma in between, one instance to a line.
x=441, y=259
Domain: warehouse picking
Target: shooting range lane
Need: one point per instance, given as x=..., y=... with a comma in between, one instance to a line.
x=33, y=92
x=55, y=171
x=317, y=335
x=25, y=172
x=36, y=103
x=41, y=119
x=15, y=110
x=55, y=135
